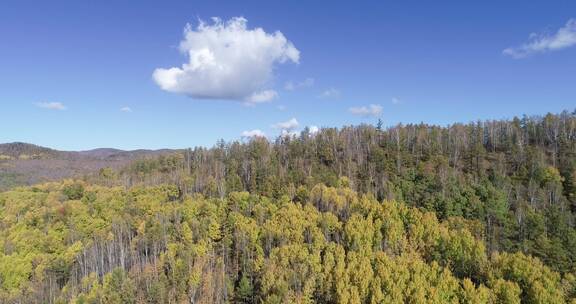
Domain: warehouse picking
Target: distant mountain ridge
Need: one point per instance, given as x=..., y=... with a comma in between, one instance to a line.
x=26, y=151
x=28, y=164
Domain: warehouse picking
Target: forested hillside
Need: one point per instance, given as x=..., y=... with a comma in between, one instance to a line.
x=70, y=242
x=515, y=178
x=469, y=213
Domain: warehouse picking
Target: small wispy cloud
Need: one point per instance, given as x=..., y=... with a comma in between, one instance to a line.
x=287, y=125
x=330, y=93
x=396, y=101
x=126, y=109
x=261, y=97
x=545, y=42
x=51, y=105
x=281, y=107
x=306, y=83
x=253, y=133
x=372, y=110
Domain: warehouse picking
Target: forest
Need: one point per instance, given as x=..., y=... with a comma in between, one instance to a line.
x=482, y=212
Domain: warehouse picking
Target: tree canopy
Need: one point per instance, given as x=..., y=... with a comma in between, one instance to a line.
x=469, y=213
x=143, y=245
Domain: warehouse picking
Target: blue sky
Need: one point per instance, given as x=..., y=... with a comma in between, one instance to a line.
x=67, y=68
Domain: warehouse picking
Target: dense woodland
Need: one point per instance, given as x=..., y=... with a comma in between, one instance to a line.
x=470, y=213
x=515, y=178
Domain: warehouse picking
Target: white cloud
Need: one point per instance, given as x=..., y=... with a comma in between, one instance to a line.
x=287, y=125
x=306, y=83
x=261, y=97
x=253, y=133
x=126, y=109
x=372, y=110
x=330, y=93
x=545, y=42
x=313, y=129
x=396, y=100
x=226, y=60
x=51, y=105
x=281, y=107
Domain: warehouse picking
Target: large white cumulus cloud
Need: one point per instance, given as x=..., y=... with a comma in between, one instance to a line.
x=226, y=60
